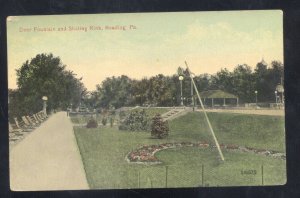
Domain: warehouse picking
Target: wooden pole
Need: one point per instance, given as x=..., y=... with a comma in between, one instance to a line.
x=208, y=122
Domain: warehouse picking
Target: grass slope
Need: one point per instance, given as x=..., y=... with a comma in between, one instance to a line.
x=104, y=149
x=258, y=131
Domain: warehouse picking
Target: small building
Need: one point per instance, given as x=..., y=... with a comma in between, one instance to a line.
x=219, y=98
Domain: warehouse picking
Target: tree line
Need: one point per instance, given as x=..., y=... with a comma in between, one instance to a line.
x=46, y=75
x=161, y=90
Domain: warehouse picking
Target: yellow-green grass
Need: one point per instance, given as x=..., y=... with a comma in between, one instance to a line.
x=258, y=131
x=103, y=151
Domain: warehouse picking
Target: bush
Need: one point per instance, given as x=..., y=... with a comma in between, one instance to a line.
x=111, y=120
x=113, y=112
x=104, y=121
x=92, y=123
x=122, y=115
x=136, y=121
x=159, y=128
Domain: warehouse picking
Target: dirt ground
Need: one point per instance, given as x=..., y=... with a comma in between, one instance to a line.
x=272, y=112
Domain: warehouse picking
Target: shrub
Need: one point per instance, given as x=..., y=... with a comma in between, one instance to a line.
x=111, y=120
x=112, y=112
x=104, y=121
x=92, y=123
x=136, y=121
x=159, y=128
x=122, y=115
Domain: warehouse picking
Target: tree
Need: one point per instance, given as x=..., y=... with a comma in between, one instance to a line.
x=161, y=90
x=243, y=83
x=140, y=91
x=276, y=72
x=267, y=79
x=261, y=80
x=115, y=91
x=45, y=75
x=225, y=80
x=159, y=128
x=203, y=82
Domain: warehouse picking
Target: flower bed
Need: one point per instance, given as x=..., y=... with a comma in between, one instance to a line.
x=146, y=153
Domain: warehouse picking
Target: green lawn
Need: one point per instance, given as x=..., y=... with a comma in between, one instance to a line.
x=258, y=131
x=104, y=149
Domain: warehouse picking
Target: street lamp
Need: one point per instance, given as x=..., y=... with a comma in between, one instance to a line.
x=45, y=98
x=181, y=79
x=192, y=93
x=280, y=91
x=255, y=97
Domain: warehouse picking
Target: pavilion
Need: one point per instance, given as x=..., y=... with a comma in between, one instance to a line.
x=218, y=98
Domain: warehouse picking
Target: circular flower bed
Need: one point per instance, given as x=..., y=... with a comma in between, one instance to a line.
x=146, y=154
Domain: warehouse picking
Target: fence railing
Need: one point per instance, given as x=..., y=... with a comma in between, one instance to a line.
x=25, y=124
x=173, y=176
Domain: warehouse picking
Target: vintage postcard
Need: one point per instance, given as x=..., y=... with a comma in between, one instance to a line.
x=146, y=100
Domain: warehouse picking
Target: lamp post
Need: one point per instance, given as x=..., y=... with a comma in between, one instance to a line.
x=181, y=99
x=45, y=98
x=192, y=93
x=280, y=91
x=275, y=96
x=255, y=97
x=174, y=101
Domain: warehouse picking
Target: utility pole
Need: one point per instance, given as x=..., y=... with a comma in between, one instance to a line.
x=208, y=122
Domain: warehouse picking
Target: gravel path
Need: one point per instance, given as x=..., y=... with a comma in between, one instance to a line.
x=271, y=112
x=48, y=158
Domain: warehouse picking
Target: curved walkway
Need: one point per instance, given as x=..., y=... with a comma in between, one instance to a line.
x=48, y=158
x=146, y=153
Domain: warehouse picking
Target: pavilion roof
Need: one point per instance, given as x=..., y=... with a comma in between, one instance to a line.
x=216, y=94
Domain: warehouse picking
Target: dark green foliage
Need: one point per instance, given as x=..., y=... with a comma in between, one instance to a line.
x=111, y=120
x=163, y=90
x=136, y=121
x=114, y=92
x=92, y=123
x=159, y=128
x=104, y=121
x=122, y=115
x=44, y=75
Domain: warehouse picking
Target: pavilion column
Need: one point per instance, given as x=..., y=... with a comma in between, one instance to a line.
x=237, y=102
x=212, y=102
x=224, y=104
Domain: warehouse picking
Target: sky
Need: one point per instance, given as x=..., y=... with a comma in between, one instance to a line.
x=96, y=46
